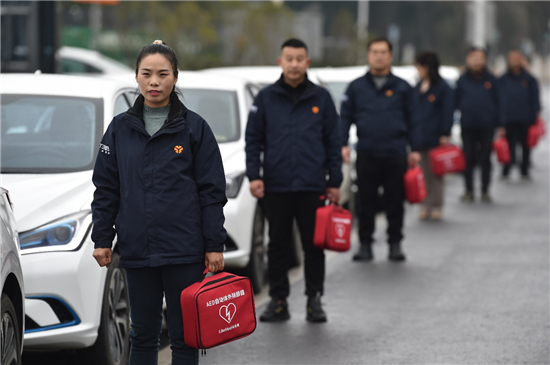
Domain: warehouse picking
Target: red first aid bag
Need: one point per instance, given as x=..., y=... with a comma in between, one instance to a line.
x=332, y=228
x=415, y=185
x=502, y=149
x=535, y=132
x=218, y=310
x=447, y=159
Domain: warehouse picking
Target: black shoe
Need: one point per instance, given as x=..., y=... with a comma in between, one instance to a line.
x=396, y=254
x=468, y=197
x=364, y=253
x=486, y=198
x=505, y=177
x=276, y=311
x=315, y=312
x=526, y=177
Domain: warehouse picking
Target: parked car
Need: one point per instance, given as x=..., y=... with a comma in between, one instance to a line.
x=261, y=75
x=12, y=306
x=51, y=129
x=73, y=60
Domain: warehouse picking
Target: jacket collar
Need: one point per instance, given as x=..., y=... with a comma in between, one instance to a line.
x=177, y=109
x=281, y=86
x=391, y=78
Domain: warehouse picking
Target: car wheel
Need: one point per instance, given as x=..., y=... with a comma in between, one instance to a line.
x=256, y=269
x=10, y=338
x=112, y=346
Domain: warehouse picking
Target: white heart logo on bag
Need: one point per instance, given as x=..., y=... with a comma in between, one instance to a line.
x=227, y=312
x=340, y=229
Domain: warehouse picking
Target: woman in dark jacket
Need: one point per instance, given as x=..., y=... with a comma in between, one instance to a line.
x=160, y=187
x=434, y=109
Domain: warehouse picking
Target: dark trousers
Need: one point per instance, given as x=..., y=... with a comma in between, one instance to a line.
x=281, y=209
x=516, y=134
x=146, y=288
x=373, y=172
x=478, y=144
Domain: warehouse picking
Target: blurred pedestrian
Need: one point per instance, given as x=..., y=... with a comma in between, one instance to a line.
x=380, y=104
x=294, y=124
x=160, y=188
x=434, y=109
x=478, y=101
x=520, y=106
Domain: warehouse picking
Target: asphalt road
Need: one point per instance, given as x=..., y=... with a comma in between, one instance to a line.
x=475, y=290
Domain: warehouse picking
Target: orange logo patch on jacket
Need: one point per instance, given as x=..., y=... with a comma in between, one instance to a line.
x=431, y=98
x=178, y=149
x=488, y=85
x=389, y=93
x=315, y=110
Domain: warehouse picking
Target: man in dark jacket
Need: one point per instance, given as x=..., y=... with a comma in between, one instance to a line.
x=478, y=101
x=520, y=106
x=295, y=125
x=380, y=104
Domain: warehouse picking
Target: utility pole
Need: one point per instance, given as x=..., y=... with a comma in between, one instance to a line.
x=362, y=29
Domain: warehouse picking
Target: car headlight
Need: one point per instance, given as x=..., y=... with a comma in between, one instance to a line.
x=65, y=234
x=233, y=184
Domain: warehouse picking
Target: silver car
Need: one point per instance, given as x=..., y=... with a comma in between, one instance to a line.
x=13, y=304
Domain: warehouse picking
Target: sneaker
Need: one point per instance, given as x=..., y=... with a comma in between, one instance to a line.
x=436, y=215
x=276, y=311
x=486, y=198
x=364, y=253
x=423, y=215
x=315, y=312
x=396, y=254
x=468, y=197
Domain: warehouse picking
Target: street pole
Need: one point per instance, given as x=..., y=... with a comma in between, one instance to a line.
x=362, y=29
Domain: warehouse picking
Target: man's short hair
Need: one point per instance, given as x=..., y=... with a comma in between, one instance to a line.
x=378, y=40
x=294, y=43
x=477, y=49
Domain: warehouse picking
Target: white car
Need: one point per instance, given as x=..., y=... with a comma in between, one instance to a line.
x=51, y=127
x=83, y=61
x=261, y=75
x=12, y=306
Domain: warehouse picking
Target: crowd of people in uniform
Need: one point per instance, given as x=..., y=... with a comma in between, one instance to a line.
x=295, y=143
x=160, y=153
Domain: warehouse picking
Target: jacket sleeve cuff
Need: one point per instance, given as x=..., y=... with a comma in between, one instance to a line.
x=103, y=244
x=211, y=246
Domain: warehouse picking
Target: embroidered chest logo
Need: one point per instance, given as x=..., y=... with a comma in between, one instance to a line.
x=431, y=98
x=488, y=85
x=315, y=110
x=389, y=93
x=178, y=149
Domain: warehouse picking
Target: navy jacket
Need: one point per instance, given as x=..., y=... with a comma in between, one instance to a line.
x=384, y=117
x=519, y=97
x=433, y=113
x=477, y=99
x=164, y=194
x=299, y=140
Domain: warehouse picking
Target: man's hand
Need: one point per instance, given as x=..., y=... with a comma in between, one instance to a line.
x=501, y=132
x=443, y=140
x=257, y=188
x=346, y=154
x=414, y=158
x=214, y=261
x=103, y=256
x=333, y=194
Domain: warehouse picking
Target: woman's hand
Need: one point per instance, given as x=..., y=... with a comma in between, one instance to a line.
x=214, y=261
x=444, y=140
x=257, y=188
x=103, y=256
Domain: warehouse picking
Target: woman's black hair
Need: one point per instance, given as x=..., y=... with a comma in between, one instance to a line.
x=431, y=61
x=161, y=48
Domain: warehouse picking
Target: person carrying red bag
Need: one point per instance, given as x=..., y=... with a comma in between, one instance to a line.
x=520, y=105
x=434, y=109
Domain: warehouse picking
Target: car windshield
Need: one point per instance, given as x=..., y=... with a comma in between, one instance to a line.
x=48, y=134
x=219, y=108
x=337, y=90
